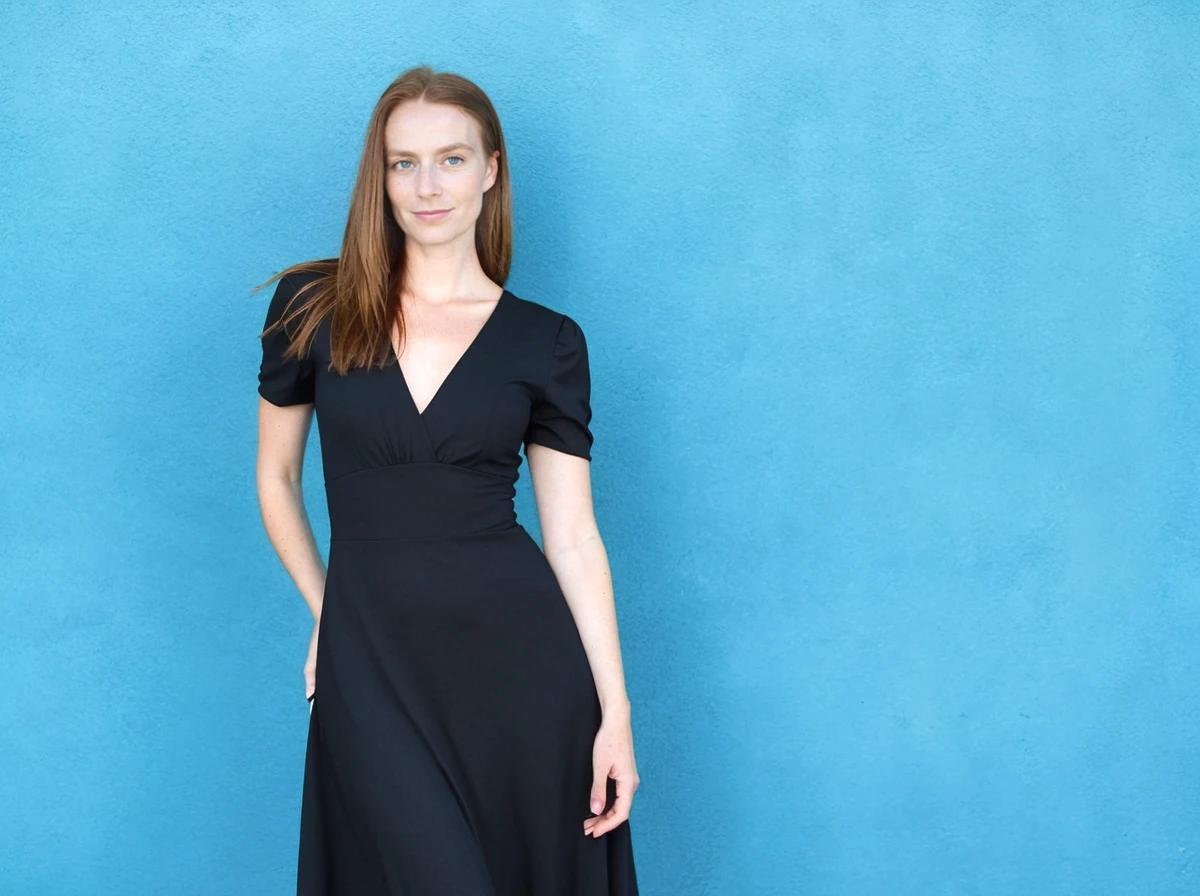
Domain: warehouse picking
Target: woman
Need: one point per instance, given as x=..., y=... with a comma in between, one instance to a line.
x=469, y=728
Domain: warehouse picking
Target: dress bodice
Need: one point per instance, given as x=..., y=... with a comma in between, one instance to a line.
x=524, y=379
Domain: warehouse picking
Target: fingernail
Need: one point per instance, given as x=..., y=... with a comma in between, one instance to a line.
x=595, y=805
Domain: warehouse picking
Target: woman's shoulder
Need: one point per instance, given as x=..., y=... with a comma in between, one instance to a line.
x=302, y=273
x=540, y=315
x=292, y=281
x=287, y=288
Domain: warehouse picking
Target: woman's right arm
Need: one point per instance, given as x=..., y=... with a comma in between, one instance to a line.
x=282, y=434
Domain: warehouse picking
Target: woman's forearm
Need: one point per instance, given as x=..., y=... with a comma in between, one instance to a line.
x=285, y=519
x=583, y=573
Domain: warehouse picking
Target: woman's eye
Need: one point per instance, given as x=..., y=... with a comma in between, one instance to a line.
x=400, y=162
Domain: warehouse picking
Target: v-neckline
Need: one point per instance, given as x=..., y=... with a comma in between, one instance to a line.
x=453, y=369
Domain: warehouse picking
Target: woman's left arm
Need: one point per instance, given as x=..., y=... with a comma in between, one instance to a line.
x=572, y=545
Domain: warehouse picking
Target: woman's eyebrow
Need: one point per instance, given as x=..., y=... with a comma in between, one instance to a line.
x=409, y=152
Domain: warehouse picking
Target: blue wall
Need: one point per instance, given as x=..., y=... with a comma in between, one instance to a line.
x=893, y=321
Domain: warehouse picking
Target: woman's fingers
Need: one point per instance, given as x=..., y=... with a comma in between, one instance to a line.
x=617, y=813
x=599, y=787
x=310, y=663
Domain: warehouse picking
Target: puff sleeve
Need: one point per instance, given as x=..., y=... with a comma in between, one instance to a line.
x=560, y=415
x=283, y=381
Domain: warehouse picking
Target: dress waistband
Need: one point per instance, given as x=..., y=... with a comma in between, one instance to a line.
x=418, y=500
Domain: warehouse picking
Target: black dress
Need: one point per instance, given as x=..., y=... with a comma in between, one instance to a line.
x=450, y=737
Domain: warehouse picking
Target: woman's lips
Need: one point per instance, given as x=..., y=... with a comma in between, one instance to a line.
x=432, y=216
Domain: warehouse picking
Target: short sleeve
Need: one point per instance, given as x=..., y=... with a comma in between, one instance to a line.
x=283, y=381
x=561, y=413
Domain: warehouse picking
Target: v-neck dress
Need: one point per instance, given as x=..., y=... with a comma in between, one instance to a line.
x=450, y=736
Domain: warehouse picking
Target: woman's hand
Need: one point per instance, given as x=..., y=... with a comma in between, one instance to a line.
x=310, y=665
x=612, y=757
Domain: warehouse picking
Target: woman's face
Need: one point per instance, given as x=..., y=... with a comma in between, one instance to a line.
x=435, y=163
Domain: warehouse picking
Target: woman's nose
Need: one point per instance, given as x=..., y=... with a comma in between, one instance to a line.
x=427, y=182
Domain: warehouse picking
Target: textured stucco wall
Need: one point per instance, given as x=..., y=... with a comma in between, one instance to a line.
x=893, y=322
